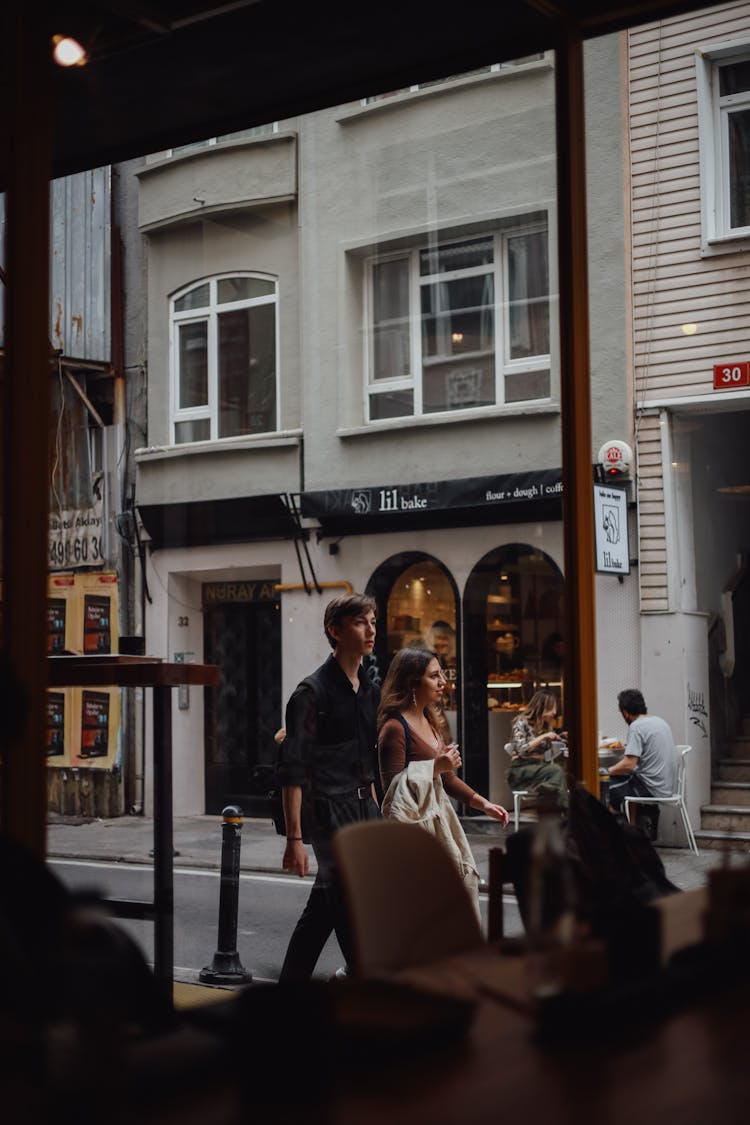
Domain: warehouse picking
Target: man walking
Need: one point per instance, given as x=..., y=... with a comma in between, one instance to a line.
x=328, y=764
x=648, y=767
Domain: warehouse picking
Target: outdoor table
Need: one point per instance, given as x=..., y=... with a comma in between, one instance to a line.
x=161, y=676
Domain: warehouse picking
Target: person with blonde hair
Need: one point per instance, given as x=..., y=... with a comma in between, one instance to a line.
x=417, y=769
x=530, y=767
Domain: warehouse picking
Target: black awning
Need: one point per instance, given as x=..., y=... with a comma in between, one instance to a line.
x=199, y=523
x=504, y=498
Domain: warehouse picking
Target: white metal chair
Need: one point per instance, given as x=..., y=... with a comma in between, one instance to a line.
x=677, y=800
x=518, y=794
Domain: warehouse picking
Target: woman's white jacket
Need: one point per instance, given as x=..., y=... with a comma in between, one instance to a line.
x=416, y=796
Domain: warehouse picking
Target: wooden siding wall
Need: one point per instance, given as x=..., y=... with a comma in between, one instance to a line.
x=673, y=283
x=652, y=542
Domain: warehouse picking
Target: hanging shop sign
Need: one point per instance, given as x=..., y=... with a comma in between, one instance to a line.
x=75, y=537
x=403, y=499
x=611, y=530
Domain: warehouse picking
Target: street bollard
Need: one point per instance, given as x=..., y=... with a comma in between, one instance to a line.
x=226, y=967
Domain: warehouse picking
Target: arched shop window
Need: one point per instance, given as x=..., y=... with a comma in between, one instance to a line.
x=513, y=633
x=418, y=606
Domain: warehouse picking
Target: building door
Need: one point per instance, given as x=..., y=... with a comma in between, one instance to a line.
x=712, y=483
x=244, y=710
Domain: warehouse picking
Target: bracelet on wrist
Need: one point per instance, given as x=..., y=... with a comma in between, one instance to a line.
x=293, y=839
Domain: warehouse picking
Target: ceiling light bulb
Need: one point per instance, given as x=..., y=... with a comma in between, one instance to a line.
x=67, y=51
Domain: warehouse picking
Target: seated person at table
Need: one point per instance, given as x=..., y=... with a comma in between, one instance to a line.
x=648, y=767
x=531, y=738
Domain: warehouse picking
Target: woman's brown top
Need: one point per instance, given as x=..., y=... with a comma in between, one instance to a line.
x=392, y=758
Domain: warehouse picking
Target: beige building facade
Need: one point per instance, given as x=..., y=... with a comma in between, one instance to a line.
x=382, y=277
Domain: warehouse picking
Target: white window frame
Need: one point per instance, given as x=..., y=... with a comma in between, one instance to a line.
x=253, y=133
x=209, y=315
x=504, y=365
x=521, y=64
x=713, y=131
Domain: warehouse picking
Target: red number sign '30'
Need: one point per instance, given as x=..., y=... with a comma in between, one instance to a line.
x=730, y=376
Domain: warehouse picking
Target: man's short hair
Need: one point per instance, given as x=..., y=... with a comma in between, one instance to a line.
x=632, y=701
x=346, y=605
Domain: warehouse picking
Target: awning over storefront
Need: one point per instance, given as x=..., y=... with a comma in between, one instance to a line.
x=503, y=498
x=198, y=523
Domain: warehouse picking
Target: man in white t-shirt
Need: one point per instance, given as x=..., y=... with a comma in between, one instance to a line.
x=648, y=767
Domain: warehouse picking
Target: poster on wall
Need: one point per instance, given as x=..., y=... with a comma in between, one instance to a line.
x=97, y=636
x=82, y=615
x=95, y=708
x=611, y=529
x=75, y=537
x=62, y=614
x=58, y=726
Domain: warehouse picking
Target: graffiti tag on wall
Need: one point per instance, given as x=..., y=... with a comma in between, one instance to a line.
x=697, y=711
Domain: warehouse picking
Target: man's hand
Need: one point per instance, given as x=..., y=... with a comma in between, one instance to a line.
x=296, y=859
x=626, y=764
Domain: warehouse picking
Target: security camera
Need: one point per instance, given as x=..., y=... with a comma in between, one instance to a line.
x=615, y=459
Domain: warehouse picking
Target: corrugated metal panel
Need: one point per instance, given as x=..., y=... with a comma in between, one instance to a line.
x=673, y=284
x=80, y=284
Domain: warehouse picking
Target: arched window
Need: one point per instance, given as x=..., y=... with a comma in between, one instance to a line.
x=223, y=344
x=513, y=637
x=418, y=608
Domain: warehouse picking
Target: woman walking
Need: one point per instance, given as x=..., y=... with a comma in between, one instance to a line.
x=532, y=735
x=417, y=769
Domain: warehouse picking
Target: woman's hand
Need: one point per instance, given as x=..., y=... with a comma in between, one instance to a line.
x=545, y=736
x=497, y=812
x=448, y=761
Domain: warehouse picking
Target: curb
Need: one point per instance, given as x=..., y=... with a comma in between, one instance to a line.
x=180, y=860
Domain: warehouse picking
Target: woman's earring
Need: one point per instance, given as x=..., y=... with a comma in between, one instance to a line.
x=414, y=699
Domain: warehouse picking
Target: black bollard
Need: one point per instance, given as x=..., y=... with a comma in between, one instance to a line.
x=226, y=967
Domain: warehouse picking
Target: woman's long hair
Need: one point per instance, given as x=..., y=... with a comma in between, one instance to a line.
x=540, y=702
x=404, y=675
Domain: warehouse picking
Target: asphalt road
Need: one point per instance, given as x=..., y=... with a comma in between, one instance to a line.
x=269, y=906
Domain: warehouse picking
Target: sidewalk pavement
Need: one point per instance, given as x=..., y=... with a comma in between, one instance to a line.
x=197, y=843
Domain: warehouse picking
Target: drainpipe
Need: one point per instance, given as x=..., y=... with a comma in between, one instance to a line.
x=139, y=710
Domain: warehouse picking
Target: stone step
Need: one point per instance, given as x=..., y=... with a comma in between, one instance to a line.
x=731, y=793
x=723, y=841
x=737, y=747
x=726, y=818
x=734, y=769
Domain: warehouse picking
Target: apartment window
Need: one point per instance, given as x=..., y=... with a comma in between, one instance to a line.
x=458, y=325
x=493, y=68
x=224, y=358
x=241, y=135
x=724, y=114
